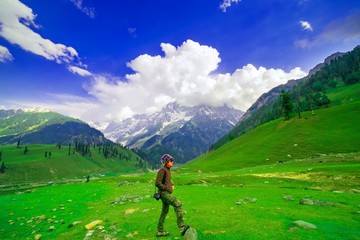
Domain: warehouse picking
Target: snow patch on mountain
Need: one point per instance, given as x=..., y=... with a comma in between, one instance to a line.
x=134, y=132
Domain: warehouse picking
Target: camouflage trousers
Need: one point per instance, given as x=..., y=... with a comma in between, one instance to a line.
x=167, y=200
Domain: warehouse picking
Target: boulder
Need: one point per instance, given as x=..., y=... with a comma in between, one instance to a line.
x=307, y=201
x=190, y=234
x=51, y=228
x=288, y=198
x=37, y=237
x=355, y=191
x=304, y=225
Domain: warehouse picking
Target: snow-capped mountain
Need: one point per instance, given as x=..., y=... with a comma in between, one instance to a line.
x=101, y=126
x=173, y=128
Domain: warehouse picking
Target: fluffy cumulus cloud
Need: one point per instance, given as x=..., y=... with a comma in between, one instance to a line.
x=186, y=74
x=5, y=55
x=227, y=3
x=339, y=30
x=16, y=20
x=306, y=25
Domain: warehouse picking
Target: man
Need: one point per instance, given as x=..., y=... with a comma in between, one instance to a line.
x=165, y=185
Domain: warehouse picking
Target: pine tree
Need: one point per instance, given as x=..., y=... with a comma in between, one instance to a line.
x=286, y=104
x=2, y=168
x=26, y=150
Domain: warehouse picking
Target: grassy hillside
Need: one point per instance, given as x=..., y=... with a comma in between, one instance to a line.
x=35, y=167
x=30, y=121
x=46, y=128
x=331, y=130
x=310, y=92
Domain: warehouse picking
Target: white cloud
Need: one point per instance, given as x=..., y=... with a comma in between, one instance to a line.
x=16, y=20
x=69, y=105
x=90, y=12
x=339, y=30
x=306, y=25
x=185, y=74
x=227, y=3
x=5, y=55
x=80, y=71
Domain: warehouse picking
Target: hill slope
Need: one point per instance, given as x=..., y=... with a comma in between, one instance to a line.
x=43, y=163
x=45, y=128
x=308, y=93
x=331, y=130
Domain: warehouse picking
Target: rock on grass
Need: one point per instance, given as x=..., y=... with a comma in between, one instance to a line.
x=190, y=234
x=304, y=225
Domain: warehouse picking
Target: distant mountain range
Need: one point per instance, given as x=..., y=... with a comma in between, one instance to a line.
x=40, y=126
x=184, y=132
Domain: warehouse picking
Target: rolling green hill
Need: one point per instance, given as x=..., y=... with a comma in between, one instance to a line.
x=46, y=128
x=44, y=163
x=331, y=130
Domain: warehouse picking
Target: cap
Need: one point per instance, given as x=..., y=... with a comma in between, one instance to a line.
x=166, y=158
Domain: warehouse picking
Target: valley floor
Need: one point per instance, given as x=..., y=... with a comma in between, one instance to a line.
x=314, y=198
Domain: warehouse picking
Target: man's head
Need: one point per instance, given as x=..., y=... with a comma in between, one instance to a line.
x=167, y=160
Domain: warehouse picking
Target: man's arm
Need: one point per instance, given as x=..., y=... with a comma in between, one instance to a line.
x=159, y=179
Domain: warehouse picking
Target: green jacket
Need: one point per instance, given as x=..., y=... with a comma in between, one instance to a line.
x=163, y=180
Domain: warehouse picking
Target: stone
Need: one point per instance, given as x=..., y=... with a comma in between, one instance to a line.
x=51, y=228
x=304, y=225
x=288, y=198
x=37, y=237
x=124, y=183
x=307, y=201
x=355, y=191
x=190, y=234
x=131, y=210
x=93, y=224
x=337, y=192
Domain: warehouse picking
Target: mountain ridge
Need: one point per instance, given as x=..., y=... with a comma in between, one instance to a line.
x=174, y=129
x=44, y=127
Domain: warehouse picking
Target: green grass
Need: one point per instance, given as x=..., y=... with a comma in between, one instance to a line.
x=324, y=166
x=331, y=130
x=35, y=167
x=209, y=201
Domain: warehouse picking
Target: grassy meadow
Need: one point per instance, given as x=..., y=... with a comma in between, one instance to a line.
x=58, y=165
x=255, y=187
x=260, y=202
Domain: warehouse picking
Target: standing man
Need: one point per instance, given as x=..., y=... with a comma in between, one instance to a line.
x=165, y=185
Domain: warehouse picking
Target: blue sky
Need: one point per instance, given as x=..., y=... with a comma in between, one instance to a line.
x=106, y=60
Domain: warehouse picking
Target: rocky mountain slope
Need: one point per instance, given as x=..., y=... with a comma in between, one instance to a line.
x=185, y=132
